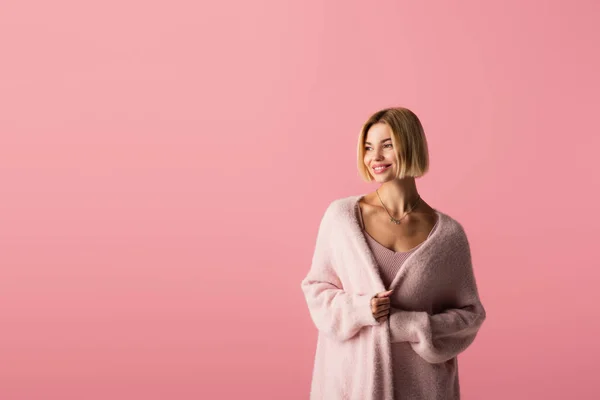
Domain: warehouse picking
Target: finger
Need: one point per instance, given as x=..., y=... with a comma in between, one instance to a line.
x=381, y=319
x=382, y=307
x=382, y=313
x=375, y=307
x=379, y=306
x=383, y=300
x=378, y=316
x=383, y=294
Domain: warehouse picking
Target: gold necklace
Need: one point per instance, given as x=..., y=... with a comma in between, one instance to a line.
x=392, y=219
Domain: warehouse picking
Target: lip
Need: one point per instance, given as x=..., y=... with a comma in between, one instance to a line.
x=382, y=170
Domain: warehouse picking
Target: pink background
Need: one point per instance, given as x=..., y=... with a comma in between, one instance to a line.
x=164, y=167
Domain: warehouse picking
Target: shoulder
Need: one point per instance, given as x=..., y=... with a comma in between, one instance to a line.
x=450, y=223
x=340, y=211
x=336, y=214
x=342, y=208
x=452, y=231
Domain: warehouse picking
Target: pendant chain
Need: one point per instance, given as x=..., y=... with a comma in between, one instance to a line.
x=394, y=220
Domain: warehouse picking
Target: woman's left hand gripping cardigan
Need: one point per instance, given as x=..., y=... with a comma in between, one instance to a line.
x=440, y=316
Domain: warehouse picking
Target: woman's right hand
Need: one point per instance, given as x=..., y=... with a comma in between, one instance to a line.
x=380, y=305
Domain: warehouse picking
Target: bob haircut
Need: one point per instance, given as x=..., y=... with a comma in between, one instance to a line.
x=408, y=138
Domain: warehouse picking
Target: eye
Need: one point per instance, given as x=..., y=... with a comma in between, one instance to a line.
x=389, y=145
x=367, y=148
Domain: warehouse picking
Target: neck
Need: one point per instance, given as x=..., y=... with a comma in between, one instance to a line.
x=399, y=195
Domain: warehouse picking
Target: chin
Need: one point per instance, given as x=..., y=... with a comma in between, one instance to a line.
x=382, y=179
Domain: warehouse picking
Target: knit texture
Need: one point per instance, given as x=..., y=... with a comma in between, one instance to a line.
x=388, y=261
x=437, y=316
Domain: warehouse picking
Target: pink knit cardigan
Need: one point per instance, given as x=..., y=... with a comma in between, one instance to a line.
x=439, y=318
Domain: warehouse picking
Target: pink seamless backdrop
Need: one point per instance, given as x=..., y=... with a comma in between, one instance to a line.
x=164, y=167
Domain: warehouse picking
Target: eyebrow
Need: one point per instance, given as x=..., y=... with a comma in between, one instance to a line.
x=381, y=141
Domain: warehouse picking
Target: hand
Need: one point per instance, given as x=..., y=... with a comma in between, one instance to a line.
x=380, y=305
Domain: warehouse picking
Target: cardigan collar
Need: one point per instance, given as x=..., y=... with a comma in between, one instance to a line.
x=367, y=254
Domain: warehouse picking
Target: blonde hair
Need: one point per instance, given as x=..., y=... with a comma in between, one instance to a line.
x=408, y=138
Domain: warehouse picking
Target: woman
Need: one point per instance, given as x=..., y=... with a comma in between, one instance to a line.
x=391, y=286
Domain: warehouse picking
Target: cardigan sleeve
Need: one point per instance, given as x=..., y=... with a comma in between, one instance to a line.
x=335, y=312
x=440, y=337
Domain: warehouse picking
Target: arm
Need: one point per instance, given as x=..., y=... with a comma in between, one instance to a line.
x=437, y=338
x=440, y=337
x=334, y=312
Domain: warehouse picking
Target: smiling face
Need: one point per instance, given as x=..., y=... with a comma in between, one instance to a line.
x=392, y=138
x=380, y=155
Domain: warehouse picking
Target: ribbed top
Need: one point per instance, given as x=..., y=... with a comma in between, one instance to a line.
x=389, y=261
